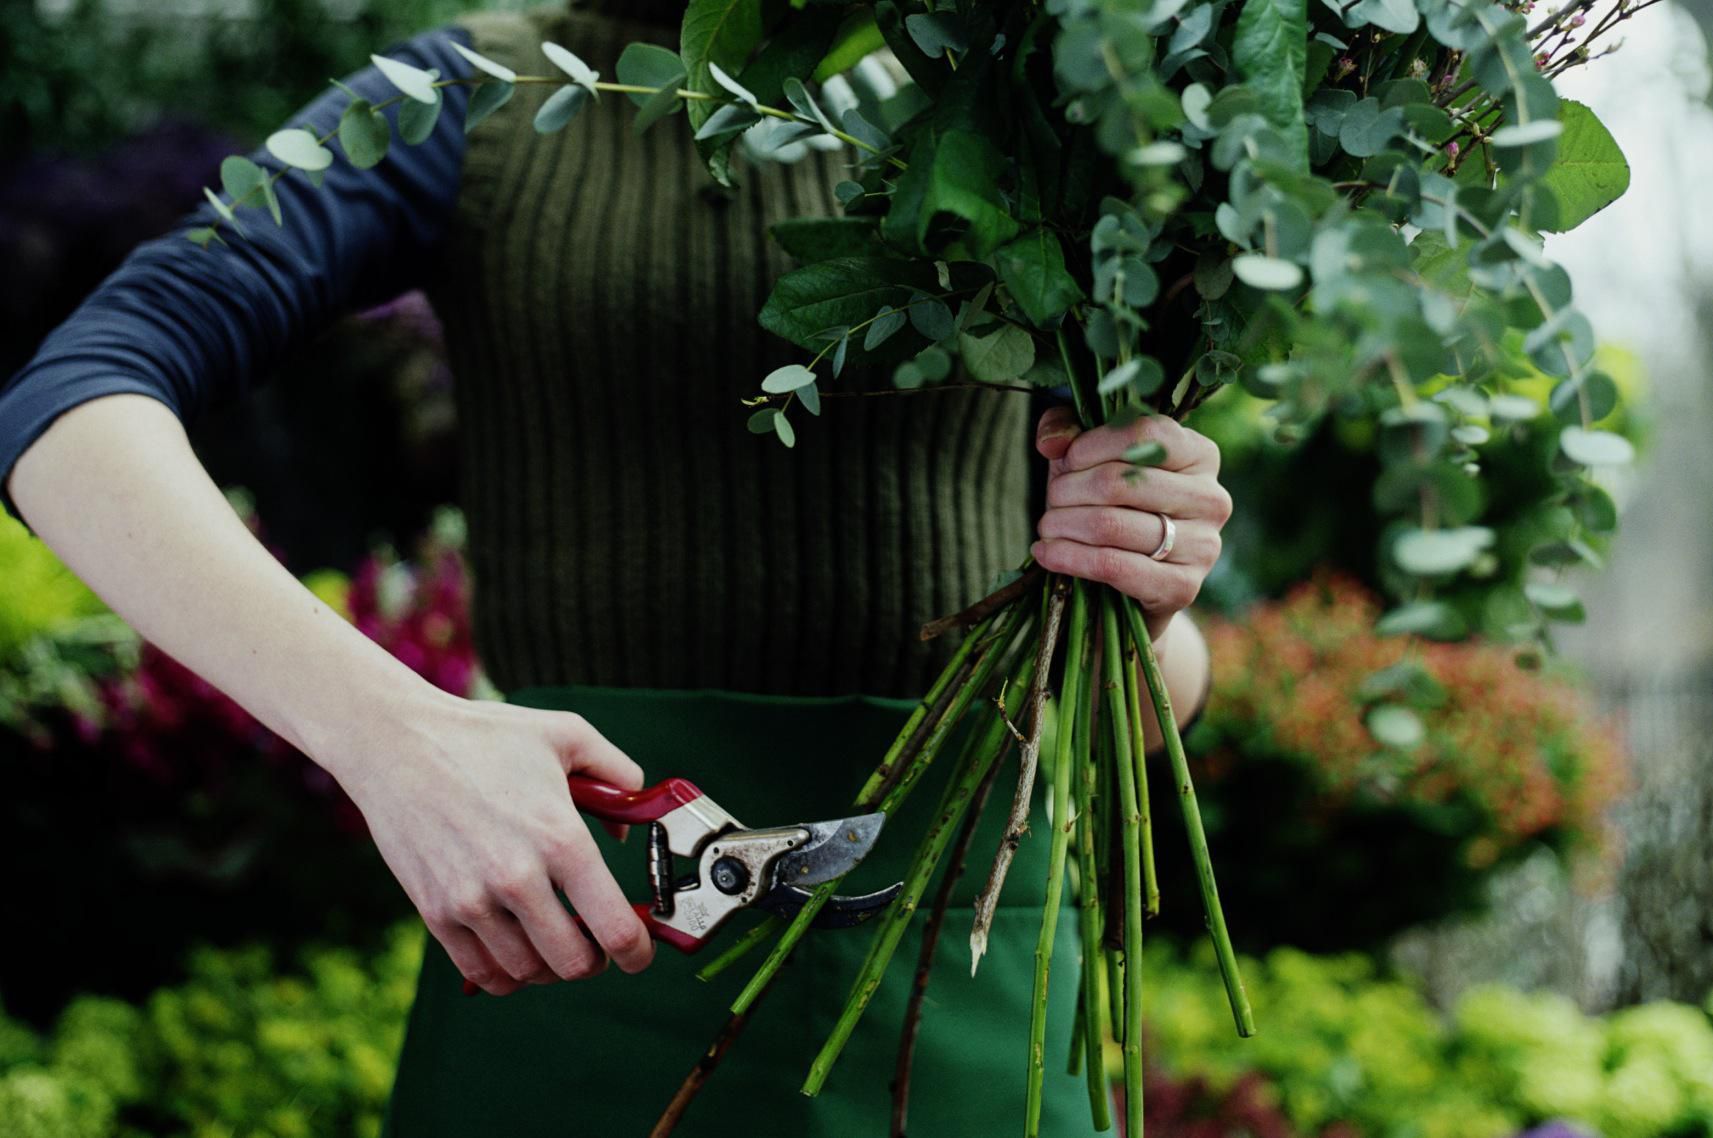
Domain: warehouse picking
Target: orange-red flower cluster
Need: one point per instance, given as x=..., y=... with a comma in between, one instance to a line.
x=1524, y=748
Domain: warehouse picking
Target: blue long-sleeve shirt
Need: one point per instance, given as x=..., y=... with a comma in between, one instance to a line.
x=193, y=327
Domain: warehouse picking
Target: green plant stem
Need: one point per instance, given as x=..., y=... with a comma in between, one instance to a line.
x=930, y=941
x=1089, y=926
x=993, y=639
x=1017, y=823
x=1078, y=397
x=1145, y=822
x=1127, y=739
x=1226, y=955
x=980, y=755
x=915, y=729
x=739, y=948
x=1065, y=758
x=1079, y=1031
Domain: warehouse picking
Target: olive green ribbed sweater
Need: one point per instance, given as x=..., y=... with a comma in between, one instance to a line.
x=600, y=300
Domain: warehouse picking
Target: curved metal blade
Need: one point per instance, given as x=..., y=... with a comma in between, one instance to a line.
x=838, y=913
x=833, y=850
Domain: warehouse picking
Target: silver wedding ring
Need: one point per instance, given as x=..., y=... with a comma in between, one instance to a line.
x=1171, y=535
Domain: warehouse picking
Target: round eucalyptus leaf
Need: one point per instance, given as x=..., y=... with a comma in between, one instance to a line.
x=787, y=378
x=930, y=316
x=482, y=63
x=1595, y=509
x=413, y=81
x=886, y=322
x=560, y=108
x=1526, y=134
x=1558, y=601
x=567, y=61
x=810, y=397
x=1434, y=620
x=1589, y=397
x=220, y=207
x=246, y=183
x=1195, y=101
x=416, y=120
x=1269, y=273
x=1596, y=448
x=364, y=134
x=1145, y=454
x=727, y=120
x=761, y=422
x=1396, y=727
x=935, y=364
x=1512, y=408
x=1162, y=153
x=743, y=94
x=300, y=149
x=782, y=427
x=487, y=99
x=1434, y=553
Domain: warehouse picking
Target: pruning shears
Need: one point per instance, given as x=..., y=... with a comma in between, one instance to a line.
x=735, y=867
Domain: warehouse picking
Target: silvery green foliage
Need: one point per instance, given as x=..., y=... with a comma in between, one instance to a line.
x=1338, y=205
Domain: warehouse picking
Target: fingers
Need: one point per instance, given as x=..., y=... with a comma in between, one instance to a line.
x=1180, y=496
x=1187, y=451
x=1140, y=531
x=552, y=935
x=1055, y=432
x=1160, y=586
x=473, y=960
x=586, y=880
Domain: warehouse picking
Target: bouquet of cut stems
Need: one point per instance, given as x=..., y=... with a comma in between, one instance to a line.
x=1339, y=206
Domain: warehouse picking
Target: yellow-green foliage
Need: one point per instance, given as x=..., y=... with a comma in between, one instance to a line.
x=41, y=594
x=1342, y=1043
x=238, y=1051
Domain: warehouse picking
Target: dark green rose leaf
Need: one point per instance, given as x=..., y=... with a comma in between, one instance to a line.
x=1033, y=268
x=823, y=238
x=1270, y=49
x=999, y=356
x=1590, y=172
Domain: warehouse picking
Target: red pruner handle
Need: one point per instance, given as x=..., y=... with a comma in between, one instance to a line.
x=682, y=941
x=651, y=803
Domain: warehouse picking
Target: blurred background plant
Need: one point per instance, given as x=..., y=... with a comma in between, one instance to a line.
x=1343, y=832
x=170, y=820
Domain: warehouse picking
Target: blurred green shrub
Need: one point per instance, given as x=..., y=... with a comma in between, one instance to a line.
x=1342, y=1043
x=1344, y=1050
x=1335, y=839
x=244, y=73
x=237, y=1049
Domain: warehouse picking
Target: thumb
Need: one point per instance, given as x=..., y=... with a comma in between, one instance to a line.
x=1056, y=431
x=584, y=750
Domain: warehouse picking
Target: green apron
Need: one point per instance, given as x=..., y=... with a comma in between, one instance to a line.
x=603, y=1056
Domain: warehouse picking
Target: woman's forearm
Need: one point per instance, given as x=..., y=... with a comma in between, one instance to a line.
x=115, y=490
x=1184, y=660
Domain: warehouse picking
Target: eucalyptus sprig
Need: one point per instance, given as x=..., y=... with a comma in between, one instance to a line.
x=1340, y=206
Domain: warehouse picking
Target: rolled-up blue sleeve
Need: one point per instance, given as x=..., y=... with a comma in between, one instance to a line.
x=195, y=327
